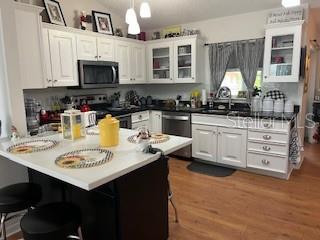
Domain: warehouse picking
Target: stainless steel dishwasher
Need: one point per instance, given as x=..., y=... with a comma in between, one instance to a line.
x=178, y=124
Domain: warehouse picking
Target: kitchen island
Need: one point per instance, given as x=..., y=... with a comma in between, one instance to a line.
x=126, y=198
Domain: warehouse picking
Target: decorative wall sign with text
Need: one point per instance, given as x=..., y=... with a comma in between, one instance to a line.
x=285, y=15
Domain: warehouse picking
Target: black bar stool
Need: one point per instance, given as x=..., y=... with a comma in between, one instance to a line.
x=54, y=221
x=15, y=198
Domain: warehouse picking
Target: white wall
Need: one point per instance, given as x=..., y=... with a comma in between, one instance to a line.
x=72, y=9
x=44, y=95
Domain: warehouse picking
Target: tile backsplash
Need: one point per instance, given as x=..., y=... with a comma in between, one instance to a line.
x=156, y=91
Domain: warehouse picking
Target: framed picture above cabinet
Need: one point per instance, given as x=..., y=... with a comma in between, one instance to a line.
x=102, y=23
x=54, y=12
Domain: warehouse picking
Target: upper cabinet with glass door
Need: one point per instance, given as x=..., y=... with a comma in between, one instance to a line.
x=185, y=61
x=161, y=62
x=176, y=60
x=282, y=52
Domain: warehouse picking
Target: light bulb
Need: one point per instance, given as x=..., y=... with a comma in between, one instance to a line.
x=290, y=3
x=131, y=16
x=145, y=11
x=134, y=28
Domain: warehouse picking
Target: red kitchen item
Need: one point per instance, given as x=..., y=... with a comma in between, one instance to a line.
x=85, y=108
x=44, y=117
x=142, y=36
x=278, y=59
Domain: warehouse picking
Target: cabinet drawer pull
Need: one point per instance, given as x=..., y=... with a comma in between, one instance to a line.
x=266, y=148
x=267, y=125
x=265, y=162
x=266, y=137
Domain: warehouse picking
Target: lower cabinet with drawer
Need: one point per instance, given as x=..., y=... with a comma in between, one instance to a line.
x=261, y=147
x=268, y=162
x=140, y=120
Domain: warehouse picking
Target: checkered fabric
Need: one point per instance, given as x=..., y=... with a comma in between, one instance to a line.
x=276, y=94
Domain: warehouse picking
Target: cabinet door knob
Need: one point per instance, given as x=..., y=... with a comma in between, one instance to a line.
x=95, y=56
x=265, y=162
x=49, y=80
x=265, y=77
x=266, y=148
x=99, y=56
x=55, y=80
x=192, y=78
x=266, y=137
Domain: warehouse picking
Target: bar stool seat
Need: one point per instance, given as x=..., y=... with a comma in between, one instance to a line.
x=17, y=197
x=52, y=222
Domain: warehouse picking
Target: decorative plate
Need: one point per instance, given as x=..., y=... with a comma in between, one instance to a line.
x=156, y=138
x=276, y=94
x=85, y=158
x=32, y=146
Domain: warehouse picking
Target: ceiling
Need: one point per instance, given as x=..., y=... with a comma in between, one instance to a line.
x=171, y=12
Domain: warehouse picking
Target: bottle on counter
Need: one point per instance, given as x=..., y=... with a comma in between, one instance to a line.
x=211, y=101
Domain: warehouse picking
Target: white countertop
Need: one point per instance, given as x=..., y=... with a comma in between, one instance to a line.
x=126, y=159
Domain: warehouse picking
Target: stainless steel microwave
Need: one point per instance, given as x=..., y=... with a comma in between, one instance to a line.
x=98, y=74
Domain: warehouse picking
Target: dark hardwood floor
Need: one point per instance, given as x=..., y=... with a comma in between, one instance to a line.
x=247, y=206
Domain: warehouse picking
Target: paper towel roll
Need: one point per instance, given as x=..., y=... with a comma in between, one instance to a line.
x=204, y=97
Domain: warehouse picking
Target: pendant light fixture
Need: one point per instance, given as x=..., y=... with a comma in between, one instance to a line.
x=134, y=28
x=145, y=11
x=131, y=15
x=291, y=3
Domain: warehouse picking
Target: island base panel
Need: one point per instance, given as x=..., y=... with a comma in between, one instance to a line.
x=134, y=206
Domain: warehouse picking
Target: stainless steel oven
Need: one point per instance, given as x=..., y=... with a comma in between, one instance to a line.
x=98, y=74
x=178, y=124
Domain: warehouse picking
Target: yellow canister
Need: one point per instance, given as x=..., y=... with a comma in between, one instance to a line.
x=109, y=131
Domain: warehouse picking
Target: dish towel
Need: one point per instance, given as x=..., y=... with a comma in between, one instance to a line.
x=295, y=147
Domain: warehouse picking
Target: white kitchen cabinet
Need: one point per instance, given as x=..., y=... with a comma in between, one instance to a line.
x=105, y=49
x=131, y=57
x=205, y=142
x=176, y=60
x=185, y=55
x=92, y=48
x=156, y=121
x=87, y=48
x=232, y=147
x=47, y=58
x=138, y=57
x=140, y=120
x=63, y=56
x=282, y=52
x=161, y=62
x=31, y=55
x=123, y=58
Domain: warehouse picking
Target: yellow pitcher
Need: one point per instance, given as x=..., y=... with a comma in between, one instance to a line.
x=109, y=131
